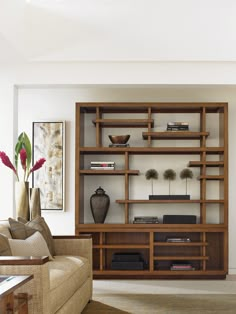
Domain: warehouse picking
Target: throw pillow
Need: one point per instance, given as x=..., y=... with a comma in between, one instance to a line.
x=23, y=220
x=19, y=230
x=4, y=228
x=22, y=231
x=40, y=224
x=35, y=245
x=5, y=249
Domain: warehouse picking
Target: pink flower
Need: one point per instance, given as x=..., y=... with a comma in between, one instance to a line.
x=23, y=158
x=24, y=150
x=36, y=166
x=6, y=161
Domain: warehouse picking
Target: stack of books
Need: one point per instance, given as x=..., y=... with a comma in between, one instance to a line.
x=102, y=165
x=145, y=220
x=177, y=126
x=182, y=266
x=176, y=240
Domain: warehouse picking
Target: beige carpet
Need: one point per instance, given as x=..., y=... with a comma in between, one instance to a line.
x=162, y=303
x=163, y=296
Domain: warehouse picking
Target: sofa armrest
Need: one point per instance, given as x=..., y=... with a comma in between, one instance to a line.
x=38, y=287
x=80, y=245
x=23, y=260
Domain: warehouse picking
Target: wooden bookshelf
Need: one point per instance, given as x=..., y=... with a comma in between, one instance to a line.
x=208, y=151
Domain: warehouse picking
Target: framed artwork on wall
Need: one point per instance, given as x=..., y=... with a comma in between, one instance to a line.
x=49, y=143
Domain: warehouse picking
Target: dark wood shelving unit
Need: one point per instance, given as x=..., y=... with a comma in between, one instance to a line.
x=208, y=249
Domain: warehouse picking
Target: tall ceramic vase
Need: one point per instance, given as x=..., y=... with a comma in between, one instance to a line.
x=22, y=199
x=35, y=205
x=99, y=203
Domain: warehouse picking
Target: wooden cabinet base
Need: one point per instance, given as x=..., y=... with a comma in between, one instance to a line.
x=159, y=247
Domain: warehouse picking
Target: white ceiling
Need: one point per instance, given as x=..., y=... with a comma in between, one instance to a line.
x=117, y=30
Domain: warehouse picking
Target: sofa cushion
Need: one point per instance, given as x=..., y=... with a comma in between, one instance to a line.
x=5, y=249
x=21, y=230
x=35, y=245
x=4, y=228
x=67, y=274
x=40, y=224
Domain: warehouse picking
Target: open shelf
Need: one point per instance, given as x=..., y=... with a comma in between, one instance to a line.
x=180, y=258
x=168, y=201
x=206, y=163
x=151, y=150
x=211, y=177
x=121, y=246
x=180, y=243
x=109, y=172
x=170, y=135
x=123, y=123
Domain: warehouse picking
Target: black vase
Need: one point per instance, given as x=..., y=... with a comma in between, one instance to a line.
x=99, y=203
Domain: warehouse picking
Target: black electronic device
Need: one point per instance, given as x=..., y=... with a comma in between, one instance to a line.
x=127, y=261
x=179, y=219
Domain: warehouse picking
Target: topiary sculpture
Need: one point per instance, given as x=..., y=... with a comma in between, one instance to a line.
x=169, y=175
x=186, y=174
x=151, y=174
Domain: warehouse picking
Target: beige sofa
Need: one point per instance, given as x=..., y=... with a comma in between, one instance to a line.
x=61, y=285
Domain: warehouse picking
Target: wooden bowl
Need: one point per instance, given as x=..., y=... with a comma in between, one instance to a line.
x=119, y=139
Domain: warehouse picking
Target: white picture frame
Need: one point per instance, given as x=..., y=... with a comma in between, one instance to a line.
x=49, y=143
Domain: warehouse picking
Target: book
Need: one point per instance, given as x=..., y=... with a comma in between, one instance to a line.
x=177, y=128
x=183, y=268
x=181, y=265
x=145, y=219
x=178, y=240
x=102, y=163
x=102, y=168
x=177, y=123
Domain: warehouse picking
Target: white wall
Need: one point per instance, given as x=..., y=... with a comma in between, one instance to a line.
x=53, y=103
x=61, y=85
x=6, y=144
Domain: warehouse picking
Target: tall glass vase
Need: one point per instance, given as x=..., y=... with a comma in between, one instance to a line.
x=35, y=205
x=22, y=200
